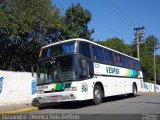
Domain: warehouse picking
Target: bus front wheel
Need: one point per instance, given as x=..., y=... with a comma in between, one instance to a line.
x=97, y=95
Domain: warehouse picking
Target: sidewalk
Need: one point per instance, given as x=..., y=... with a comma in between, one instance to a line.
x=15, y=107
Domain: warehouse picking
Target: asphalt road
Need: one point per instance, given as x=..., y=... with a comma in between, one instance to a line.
x=143, y=104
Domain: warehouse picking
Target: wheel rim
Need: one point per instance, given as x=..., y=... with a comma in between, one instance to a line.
x=135, y=91
x=97, y=94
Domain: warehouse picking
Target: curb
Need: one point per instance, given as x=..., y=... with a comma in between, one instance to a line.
x=20, y=111
x=144, y=93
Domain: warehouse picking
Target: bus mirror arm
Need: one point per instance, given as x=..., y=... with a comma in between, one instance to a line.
x=32, y=70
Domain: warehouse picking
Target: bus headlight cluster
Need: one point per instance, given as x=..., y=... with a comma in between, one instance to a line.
x=70, y=89
x=40, y=92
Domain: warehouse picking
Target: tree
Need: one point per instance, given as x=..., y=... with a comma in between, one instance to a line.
x=158, y=68
x=146, y=57
x=76, y=21
x=147, y=63
x=25, y=26
x=151, y=42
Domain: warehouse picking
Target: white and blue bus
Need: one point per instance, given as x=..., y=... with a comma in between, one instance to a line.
x=79, y=69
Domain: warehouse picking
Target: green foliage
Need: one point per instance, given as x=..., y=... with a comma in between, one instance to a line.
x=147, y=63
x=158, y=68
x=146, y=57
x=76, y=22
x=151, y=42
x=25, y=26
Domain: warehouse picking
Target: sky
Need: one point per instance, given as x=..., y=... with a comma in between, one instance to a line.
x=118, y=18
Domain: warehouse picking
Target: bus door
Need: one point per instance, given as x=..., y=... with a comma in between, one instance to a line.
x=86, y=74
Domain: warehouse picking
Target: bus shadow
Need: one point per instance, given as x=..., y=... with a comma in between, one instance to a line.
x=83, y=104
x=117, y=98
x=72, y=105
x=63, y=105
x=148, y=102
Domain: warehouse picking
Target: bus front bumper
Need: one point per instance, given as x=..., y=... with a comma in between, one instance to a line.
x=52, y=98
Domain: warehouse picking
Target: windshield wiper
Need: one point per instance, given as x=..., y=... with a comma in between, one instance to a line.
x=59, y=74
x=56, y=67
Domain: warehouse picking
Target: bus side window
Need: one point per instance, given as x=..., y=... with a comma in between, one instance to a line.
x=111, y=57
x=131, y=63
x=97, y=54
x=107, y=57
x=94, y=51
x=84, y=49
x=115, y=58
x=137, y=65
x=100, y=55
x=125, y=62
x=120, y=60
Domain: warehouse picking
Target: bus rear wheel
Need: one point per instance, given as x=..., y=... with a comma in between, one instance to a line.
x=134, y=91
x=97, y=95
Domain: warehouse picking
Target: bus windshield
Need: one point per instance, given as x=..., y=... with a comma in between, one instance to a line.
x=60, y=49
x=58, y=69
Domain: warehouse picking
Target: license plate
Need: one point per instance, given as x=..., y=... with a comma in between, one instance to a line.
x=54, y=97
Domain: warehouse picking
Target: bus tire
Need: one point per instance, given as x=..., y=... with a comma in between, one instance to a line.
x=97, y=95
x=40, y=108
x=134, y=91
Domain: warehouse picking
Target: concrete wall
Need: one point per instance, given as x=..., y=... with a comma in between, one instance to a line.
x=16, y=87
x=20, y=87
x=149, y=87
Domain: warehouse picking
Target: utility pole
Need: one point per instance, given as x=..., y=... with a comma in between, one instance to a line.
x=154, y=68
x=154, y=57
x=139, y=31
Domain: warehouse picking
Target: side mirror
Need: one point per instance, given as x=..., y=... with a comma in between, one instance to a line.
x=83, y=70
x=84, y=64
x=33, y=70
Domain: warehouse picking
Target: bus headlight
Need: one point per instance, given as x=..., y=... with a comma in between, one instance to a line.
x=70, y=89
x=40, y=91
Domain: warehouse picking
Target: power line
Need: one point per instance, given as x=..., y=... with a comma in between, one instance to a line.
x=125, y=18
x=123, y=14
x=117, y=12
x=114, y=11
x=110, y=28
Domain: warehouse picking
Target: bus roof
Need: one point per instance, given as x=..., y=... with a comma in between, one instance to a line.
x=80, y=39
